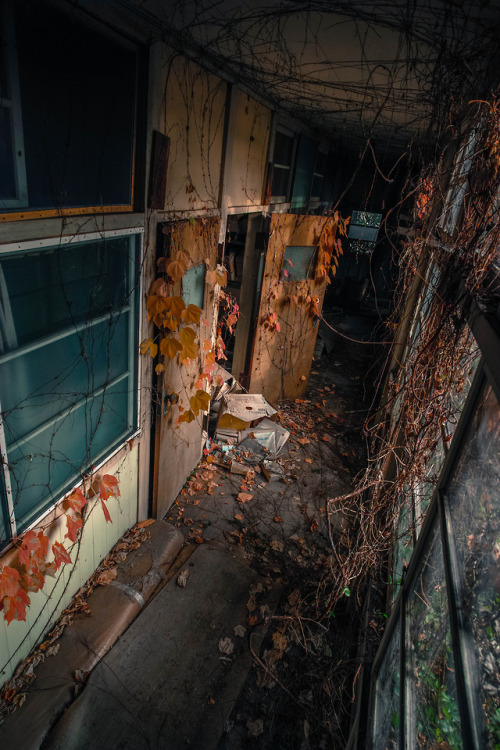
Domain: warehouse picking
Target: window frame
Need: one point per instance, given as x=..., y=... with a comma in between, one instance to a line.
x=282, y=130
x=135, y=371
x=12, y=210
x=438, y=519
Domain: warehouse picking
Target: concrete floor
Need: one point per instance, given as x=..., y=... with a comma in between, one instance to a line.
x=173, y=679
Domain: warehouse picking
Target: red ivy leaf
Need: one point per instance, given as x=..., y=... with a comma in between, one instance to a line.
x=15, y=606
x=34, y=548
x=33, y=581
x=76, y=500
x=74, y=523
x=61, y=554
x=106, y=512
x=9, y=581
x=109, y=486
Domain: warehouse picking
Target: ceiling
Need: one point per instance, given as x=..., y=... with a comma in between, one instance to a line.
x=353, y=71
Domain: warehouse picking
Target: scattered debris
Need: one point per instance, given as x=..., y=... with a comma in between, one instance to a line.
x=255, y=728
x=226, y=646
x=182, y=578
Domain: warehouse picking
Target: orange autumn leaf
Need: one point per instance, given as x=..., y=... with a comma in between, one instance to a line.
x=187, y=337
x=199, y=402
x=61, y=554
x=207, y=345
x=231, y=320
x=76, y=500
x=9, y=581
x=192, y=314
x=73, y=523
x=187, y=416
x=144, y=524
x=106, y=512
x=148, y=345
x=33, y=581
x=109, y=486
x=303, y=440
x=34, y=545
x=160, y=368
x=244, y=497
x=210, y=358
x=178, y=266
x=170, y=346
x=15, y=606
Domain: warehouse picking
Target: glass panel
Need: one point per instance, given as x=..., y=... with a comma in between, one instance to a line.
x=193, y=285
x=68, y=375
x=431, y=696
x=304, y=168
x=78, y=118
x=298, y=263
x=474, y=503
x=65, y=285
x=387, y=715
x=280, y=181
x=283, y=146
x=7, y=169
x=403, y=547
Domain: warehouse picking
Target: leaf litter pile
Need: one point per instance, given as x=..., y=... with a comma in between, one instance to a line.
x=300, y=692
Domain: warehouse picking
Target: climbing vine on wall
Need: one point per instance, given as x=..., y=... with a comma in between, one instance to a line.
x=178, y=330
x=35, y=557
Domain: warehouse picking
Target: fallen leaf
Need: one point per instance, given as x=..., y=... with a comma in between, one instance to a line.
x=277, y=546
x=308, y=460
x=226, y=646
x=239, y=631
x=303, y=440
x=239, y=517
x=255, y=728
x=314, y=525
x=244, y=497
x=107, y=576
x=182, y=578
x=325, y=438
x=279, y=641
x=278, y=519
x=143, y=524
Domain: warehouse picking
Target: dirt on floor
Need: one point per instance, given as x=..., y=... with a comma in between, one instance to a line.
x=301, y=691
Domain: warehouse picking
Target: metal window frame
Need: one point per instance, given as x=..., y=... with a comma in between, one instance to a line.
x=486, y=330
x=135, y=265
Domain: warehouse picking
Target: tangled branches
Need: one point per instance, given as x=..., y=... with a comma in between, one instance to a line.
x=423, y=398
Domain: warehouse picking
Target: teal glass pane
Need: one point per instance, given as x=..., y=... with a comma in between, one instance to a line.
x=68, y=364
x=431, y=708
x=298, y=263
x=386, y=721
x=193, y=286
x=474, y=506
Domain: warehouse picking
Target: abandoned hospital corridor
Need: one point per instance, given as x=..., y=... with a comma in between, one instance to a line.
x=249, y=375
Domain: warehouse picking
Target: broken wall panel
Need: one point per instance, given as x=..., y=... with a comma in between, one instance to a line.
x=246, y=156
x=178, y=446
x=288, y=314
x=190, y=110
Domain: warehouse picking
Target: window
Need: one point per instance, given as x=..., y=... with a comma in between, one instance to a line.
x=458, y=183
x=282, y=167
x=298, y=263
x=193, y=285
x=68, y=366
x=67, y=113
x=318, y=176
x=449, y=604
x=363, y=231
